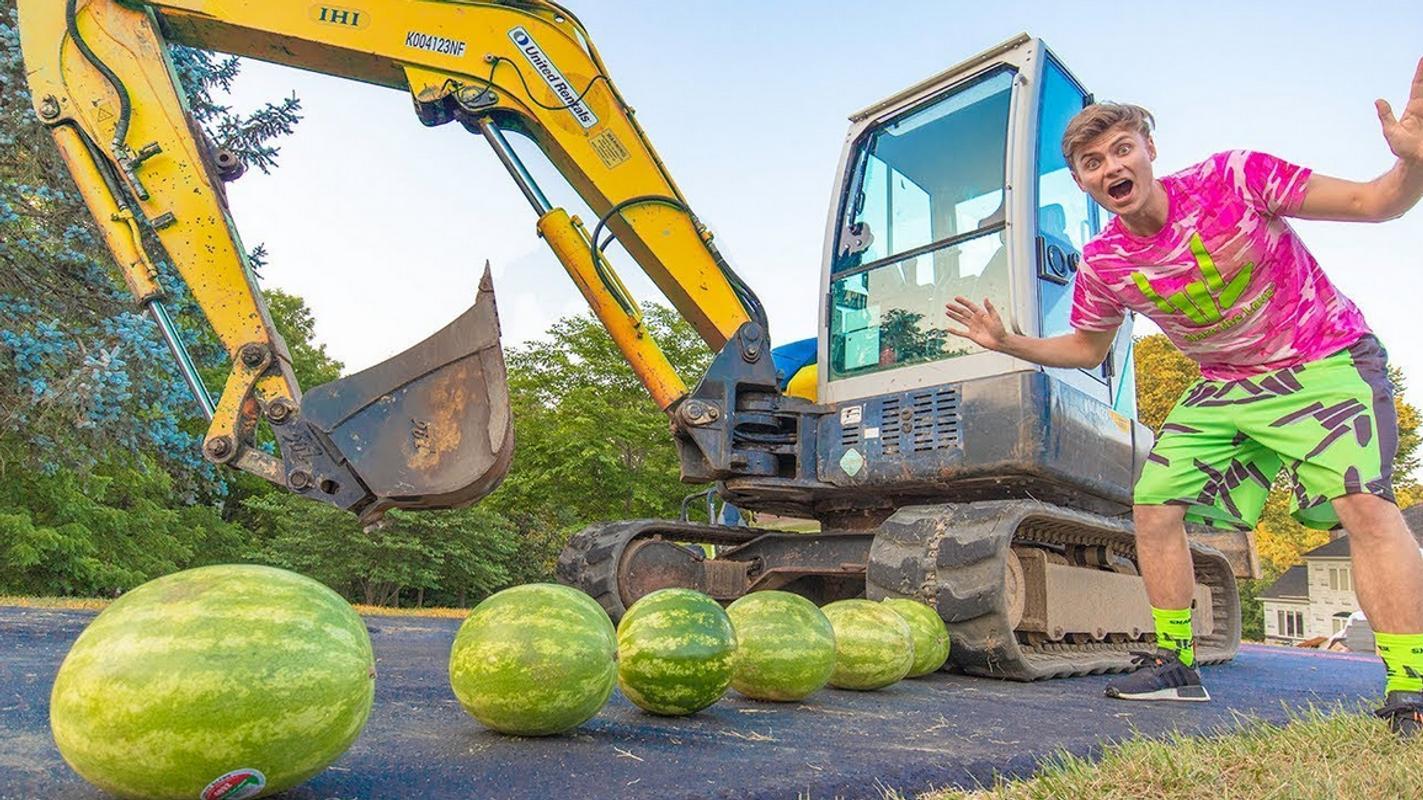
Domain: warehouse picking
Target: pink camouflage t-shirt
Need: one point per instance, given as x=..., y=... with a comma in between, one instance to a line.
x=1227, y=279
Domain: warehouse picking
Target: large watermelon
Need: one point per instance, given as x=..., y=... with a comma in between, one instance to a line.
x=534, y=660
x=785, y=647
x=931, y=638
x=675, y=651
x=218, y=683
x=873, y=645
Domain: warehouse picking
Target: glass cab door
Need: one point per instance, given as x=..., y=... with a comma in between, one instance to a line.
x=922, y=217
x=924, y=223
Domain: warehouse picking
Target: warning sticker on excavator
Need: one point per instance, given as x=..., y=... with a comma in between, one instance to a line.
x=609, y=149
x=567, y=95
x=852, y=462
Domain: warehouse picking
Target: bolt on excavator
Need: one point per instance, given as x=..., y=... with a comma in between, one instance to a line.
x=995, y=490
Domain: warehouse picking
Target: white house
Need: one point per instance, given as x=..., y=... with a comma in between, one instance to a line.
x=1312, y=599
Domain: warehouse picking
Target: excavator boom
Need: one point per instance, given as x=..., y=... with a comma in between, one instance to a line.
x=430, y=428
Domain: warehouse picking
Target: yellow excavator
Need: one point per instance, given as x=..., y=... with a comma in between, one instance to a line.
x=995, y=490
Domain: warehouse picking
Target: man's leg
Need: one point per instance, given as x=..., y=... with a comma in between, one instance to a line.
x=1388, y=569
x=1388, y=579
x=1337, y=433
x=1200, y=468
x=1164, y=558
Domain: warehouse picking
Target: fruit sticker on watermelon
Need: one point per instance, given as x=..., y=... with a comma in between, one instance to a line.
x=238, y=784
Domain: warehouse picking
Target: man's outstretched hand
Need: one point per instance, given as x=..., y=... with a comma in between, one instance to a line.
x=982, y=326
x=1405, y=134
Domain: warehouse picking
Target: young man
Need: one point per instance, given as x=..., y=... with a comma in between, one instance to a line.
x=1292, y=378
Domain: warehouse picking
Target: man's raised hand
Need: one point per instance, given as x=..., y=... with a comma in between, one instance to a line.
x=982, y=326
x=1405, y=134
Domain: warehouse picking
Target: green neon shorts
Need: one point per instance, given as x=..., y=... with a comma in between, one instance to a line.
x=1330, y=424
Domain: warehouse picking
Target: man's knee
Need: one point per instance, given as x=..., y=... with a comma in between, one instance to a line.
x=1158, y=521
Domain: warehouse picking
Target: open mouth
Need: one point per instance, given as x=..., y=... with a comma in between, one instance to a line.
x=1121, y=189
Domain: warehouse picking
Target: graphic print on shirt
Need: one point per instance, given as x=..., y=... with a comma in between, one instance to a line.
x=1226, y=278
x=1205, y=301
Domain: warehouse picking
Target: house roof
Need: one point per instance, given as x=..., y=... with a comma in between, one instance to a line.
x=1339, y=548
x=1293, y=584
x=1413, y=515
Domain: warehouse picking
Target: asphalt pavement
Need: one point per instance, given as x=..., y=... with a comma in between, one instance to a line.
x=920, y=734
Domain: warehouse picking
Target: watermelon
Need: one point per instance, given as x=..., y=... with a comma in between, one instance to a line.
x=218, y=683
x=931, y=638
x=534, y=660
x=675, y=651
x=785, y=647
x=873, y=645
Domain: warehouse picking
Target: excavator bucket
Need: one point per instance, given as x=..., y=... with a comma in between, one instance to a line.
x=429, y=428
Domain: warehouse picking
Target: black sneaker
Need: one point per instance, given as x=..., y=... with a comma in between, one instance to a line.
x=1404, y=712
x=1165, y=678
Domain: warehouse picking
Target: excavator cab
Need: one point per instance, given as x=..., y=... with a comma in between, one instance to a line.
x=957, y=186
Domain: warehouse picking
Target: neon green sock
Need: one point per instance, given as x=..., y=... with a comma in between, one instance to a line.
x=1402, y=655
x=1173, y=632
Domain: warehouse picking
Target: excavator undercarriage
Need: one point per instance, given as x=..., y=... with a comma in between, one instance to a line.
x=1028, y=590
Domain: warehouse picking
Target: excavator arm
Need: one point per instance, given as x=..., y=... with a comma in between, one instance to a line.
x=429, y=428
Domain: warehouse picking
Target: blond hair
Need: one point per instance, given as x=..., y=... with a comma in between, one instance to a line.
x=1097, y=119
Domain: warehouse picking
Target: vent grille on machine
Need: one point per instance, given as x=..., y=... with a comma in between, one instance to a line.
x=920, y=422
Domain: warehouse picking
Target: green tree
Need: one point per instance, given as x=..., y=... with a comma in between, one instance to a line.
x=590, y=443
x=460, y=556
x=103, y=531
x=1163, y=374
x=311, y=364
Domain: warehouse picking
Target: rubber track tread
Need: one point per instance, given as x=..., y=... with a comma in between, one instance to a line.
x=953, y=556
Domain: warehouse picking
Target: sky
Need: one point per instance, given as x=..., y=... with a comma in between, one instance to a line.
x=383, y=225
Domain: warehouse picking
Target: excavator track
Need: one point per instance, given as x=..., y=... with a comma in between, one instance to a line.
x=959, y=558
x=956, y=558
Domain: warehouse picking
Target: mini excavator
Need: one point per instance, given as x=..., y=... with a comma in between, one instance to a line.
x=995, y=490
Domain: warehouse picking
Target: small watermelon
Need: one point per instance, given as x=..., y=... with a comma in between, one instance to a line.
x=931, y=638
x=218, y=683
x=785, y=647
x=873, y=645
x=534, y=660
x=675, y=652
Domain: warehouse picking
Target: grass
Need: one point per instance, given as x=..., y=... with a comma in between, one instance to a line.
x=99, y=604
x=1318, y=756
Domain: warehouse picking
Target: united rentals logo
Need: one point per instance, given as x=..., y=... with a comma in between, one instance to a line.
x=435, y=44
x=1205, y=301
x=553, y=77
x=235, y=785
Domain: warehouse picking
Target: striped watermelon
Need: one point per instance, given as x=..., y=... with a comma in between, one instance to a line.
x=785, y=647
x=675, y=651
x=218, y=683
x=931, y=638
x=534, y=660
x=873, y=645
